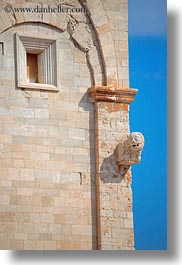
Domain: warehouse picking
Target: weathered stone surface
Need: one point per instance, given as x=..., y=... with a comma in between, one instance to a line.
x=82, y=36
x=129, y=152
x=60, y=184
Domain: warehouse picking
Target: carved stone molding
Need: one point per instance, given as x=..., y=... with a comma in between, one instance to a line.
x=112, y=94
x=46, y=51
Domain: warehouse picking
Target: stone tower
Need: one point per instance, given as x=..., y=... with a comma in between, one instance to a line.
x=64, y=125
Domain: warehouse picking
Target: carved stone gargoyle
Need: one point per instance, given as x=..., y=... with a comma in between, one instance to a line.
x=129, y=152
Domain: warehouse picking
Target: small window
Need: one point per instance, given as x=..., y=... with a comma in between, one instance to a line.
x=36, y=63
x=32, y=68
x=2, y=48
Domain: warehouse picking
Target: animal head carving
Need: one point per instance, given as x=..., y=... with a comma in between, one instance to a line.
x=130, y=151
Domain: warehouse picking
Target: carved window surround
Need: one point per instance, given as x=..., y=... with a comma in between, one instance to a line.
x=46, y=52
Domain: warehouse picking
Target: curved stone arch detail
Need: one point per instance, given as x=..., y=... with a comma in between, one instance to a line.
x=80, y=27
x=103, y=31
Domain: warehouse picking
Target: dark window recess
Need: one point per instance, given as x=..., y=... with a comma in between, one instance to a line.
x=2, y=48
x=32, y=68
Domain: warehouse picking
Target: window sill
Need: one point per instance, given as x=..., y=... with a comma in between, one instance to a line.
x=37, y=86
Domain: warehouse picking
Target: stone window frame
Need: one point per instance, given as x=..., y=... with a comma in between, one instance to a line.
x=47, y=52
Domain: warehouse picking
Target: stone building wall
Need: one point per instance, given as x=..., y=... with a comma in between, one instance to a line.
x=60, y=184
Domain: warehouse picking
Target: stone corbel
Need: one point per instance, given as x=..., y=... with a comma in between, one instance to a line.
x=112, y=94
x=129, y=152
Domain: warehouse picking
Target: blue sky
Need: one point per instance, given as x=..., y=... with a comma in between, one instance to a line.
x=148, y=63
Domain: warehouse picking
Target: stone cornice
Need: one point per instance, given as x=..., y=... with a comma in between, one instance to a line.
x=112, y=94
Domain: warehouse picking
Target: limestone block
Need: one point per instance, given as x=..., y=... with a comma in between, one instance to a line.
x=32, y=16
x=19, y=15
x=19, y=200
x=76, y=134
x=10, y=227
x=55, y=228
x=39, y=156
x=4, y=244
x=42, y=131
x=5, y=138
x=25, y=227
x=82, y=35
x=4, y=199
x=128, y=223
x=57, y=19
x=21, y=236
x=41, y=228
x=62, y=21
x=79, y=57
x=22, y=112
x=115, y=5
x=5, y=21
x=120, y=35
x=118, y=20
x=124, y=62
x=27, y=174
x=99, y=19
x=111, y=61
x=24, y=191
x=104, y=28
x=125, y=83
x=4, y=111
x=46, y=16
x=27, y=130
x=123, y=72
x=45, y=236
x=108, y=49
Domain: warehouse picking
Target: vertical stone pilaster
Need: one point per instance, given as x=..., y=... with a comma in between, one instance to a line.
x=114, y=195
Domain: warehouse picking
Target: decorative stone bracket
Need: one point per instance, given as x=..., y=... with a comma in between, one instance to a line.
x=129, y=152
x=112, y=94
